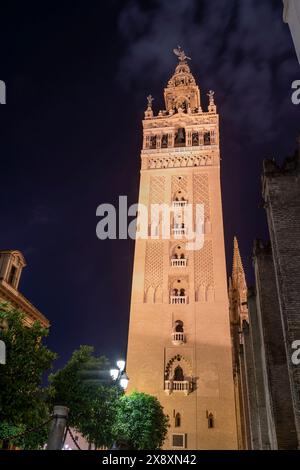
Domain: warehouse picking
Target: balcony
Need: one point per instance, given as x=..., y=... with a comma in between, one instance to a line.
x=178, y=263
x=179, y=204
x=177, y=386
x=178, y=338
x=178, y=299
x=179, y=231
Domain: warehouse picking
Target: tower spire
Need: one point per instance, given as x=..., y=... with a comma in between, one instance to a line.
x=182, y=92
x=239, y=280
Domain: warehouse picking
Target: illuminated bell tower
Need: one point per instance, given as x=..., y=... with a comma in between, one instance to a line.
x=179, y=346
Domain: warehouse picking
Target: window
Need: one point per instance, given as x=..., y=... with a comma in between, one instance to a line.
x=12, y=275
x=195, y=138
x=179, y=326
x=180, y=137
x=164, y=141
x=206, y=138
x=210, y=420
x=153, y=142
x=178, y=374
x=177, y=420
x=178, y=441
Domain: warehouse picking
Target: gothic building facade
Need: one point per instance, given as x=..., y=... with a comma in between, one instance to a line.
x=265, y=320
x=179, y=345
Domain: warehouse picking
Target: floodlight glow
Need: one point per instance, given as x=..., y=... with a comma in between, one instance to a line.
x=121, y=364
x=124, y=381
x=114, y=373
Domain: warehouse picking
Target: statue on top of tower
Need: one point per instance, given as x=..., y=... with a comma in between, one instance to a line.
x=181, y=54
x=149, y=111
x=210, y=95
x=150, y=99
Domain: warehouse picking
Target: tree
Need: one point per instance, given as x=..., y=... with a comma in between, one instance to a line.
x=140, y=421
x=22, y=398
x=85, y=387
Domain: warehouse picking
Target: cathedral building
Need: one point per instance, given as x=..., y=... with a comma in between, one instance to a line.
x=179, y=345
x=12, y=263
x=265, y=320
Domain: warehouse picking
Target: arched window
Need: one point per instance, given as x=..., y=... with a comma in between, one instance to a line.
x=179, y=326
x=178, y=374
x=210, y=420
x=195, y=138
x=164, y=141
x=177, y=420
x=206, y=138
x=182, y=292
x=180, y=137
x=153, y=142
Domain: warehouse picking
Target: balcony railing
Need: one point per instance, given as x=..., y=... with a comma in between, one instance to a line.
x=177, y=386
x=179, y=231
x=178, y=299
x=178, y=263
x=178, y=338
x=179, y=203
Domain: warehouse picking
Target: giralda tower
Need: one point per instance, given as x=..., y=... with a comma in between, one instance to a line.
x=179, y=345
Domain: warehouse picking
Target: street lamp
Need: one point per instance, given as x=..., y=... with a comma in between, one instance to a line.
x=119, y=375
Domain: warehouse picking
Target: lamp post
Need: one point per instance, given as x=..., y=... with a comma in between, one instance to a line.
x=119, y=375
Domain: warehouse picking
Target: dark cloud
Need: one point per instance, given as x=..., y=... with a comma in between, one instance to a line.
x=241, y=49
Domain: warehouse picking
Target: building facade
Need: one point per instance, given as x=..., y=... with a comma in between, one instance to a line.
x=179, y=345
x=12, y=263
x=267, y=382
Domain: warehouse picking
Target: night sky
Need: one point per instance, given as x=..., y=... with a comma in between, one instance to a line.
x=77, y=77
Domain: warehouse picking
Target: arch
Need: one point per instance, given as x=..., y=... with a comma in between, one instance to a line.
x=178, y=328
x=150, y=295
x=158, y=297
x=201, y=293
x=210, y=295
x=175, y=361
x=180, y=195
x=178, y=251
x=179, y=283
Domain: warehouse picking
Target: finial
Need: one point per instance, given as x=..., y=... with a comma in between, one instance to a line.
x=181, y=54
x=210, y=95
x=150, y=99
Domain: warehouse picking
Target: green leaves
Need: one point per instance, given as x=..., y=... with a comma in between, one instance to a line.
x=22, y=399
x=84, y=385
x=140, y=421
